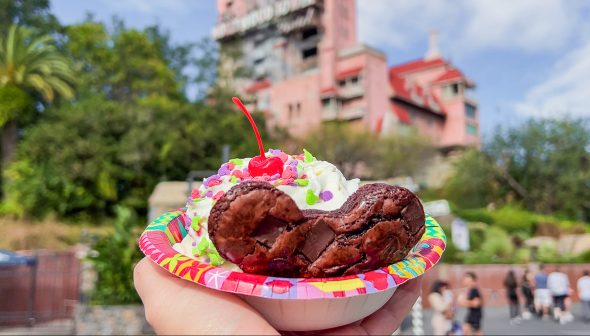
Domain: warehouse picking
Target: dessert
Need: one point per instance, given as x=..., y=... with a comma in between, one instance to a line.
x=261, y=229
x=295, y=216
x=278, y=230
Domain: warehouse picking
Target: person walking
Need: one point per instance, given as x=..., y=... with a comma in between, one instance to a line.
x=526, y=286
x=584, y=294
x=474, y=304
x=511, y=286
x=559, y=285
x=442, y=308
x=542, y=293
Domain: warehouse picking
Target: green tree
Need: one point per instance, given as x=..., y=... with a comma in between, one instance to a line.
x=346, y=146
x=86, y=157
x=473, y=182
x=354, y=149
x=28, y=65
x=127, y=65
x=543, y=165
x=35, y=14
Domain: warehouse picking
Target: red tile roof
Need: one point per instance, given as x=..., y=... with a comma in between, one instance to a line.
x=416, y=65
x=401, y=113
x=415, y=94
x=328, y=90
x=348, y=73
x=259, y=85
x=449, y=75
x=399, y=86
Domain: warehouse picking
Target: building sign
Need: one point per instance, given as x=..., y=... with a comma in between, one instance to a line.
x=298, y=22
x=259, y=16
x=460, y=234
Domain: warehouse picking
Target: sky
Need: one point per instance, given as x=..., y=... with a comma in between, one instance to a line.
x=529, y=58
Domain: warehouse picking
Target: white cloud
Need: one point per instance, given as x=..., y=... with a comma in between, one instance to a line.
x=566, y=91
x=469, y=26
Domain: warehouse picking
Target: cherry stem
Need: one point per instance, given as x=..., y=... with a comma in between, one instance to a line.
x=238, y=102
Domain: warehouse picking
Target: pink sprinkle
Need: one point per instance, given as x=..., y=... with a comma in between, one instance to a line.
x=218, y=195
x=230, y=165
x=283, y=157
x=326, y=195
x=213, y=183
x=195, y=193
x=289, y=172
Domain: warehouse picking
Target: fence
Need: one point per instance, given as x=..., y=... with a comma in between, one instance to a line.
x=54, y=293
x=490, y=279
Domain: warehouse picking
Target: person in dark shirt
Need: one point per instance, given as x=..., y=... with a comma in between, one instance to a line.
x=511, y=286
x=474, y=303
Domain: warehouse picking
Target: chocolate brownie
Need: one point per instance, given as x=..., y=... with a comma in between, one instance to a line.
x=261, y=229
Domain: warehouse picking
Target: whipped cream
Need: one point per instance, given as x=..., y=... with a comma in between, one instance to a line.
x=311, y=183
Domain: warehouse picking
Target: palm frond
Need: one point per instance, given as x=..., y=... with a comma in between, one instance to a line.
x=35, y=64
x=40, y=84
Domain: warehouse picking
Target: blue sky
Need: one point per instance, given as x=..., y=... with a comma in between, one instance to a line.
x=528, y=57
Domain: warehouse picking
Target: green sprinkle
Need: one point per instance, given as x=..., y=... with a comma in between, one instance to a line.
x=197, y=200
x=237, y=162
x=203, y=245
x=195, y=251
x=308, y=156
x=234, y=179
x=302, y=182
x=311, y=198
x=215, y=259
x=195, y=224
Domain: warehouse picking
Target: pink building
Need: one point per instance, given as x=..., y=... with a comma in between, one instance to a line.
x=309, y=68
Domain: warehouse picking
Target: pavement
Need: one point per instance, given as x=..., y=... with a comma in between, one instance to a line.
x=496, y=322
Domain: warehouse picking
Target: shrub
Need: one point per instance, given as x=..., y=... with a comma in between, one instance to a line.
x=475, y=215
x=116, y=255
x=496, y=248
x=512, y=219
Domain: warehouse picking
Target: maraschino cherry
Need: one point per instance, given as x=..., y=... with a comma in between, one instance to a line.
x=260, y=165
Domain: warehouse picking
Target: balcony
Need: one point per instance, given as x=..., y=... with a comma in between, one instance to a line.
x=352, y=113
x=329, y=113
x=351, y=91
x=332, y=113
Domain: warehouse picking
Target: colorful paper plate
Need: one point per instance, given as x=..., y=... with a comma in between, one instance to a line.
x=158, y=238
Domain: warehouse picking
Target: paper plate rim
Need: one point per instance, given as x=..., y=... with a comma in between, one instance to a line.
x=156, y=243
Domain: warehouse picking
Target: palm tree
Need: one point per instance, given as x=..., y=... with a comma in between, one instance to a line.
x=29, y=67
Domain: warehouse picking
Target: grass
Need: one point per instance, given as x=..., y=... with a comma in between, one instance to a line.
x=16, y=234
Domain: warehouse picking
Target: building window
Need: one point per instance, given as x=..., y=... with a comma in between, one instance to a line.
x=229, y=3
x=471, y=129
x=326, y=103
x=342, y=83
x=290, y=115
x=311, y=52
x=354, y=80
x=298, y=109
x=311, y=32
x=258, y=61
x=451, y=90
x=470, y=111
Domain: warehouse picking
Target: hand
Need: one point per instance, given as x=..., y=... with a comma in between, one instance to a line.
x=175, y=306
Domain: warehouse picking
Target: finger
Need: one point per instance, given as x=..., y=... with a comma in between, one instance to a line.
x=388, y=319
x=175, y=306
